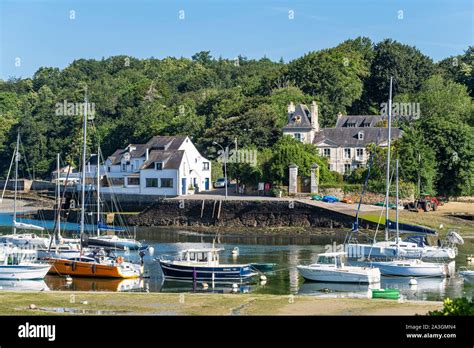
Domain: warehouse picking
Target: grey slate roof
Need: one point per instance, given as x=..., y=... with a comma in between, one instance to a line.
x=170, y=159
x=349, y=136
x=300, y=118
x=359, y=120
x=157, y=143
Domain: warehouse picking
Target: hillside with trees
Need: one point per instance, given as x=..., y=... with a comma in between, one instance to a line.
x=215, y=99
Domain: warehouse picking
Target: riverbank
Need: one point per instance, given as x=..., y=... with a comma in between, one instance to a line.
x=89, y=303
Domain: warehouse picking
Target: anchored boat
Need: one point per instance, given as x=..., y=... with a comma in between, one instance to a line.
x=103, y=267
x=330, y=267
x=98, y=265
x=203, y=264
x=413, y=268
x=20, y=264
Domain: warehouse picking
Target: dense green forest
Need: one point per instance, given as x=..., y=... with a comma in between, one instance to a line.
x=216, y=99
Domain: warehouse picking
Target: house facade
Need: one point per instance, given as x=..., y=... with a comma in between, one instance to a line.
x=164, y=166
x=345, y=144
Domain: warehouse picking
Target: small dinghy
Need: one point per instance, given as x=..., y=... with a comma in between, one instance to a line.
x=390, y=294
x=330, y=267
x=263, y=267
x=467, y=274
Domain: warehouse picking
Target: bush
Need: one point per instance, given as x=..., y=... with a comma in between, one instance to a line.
x=459, y=306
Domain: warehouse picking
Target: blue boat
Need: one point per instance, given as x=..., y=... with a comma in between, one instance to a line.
x=203, y=264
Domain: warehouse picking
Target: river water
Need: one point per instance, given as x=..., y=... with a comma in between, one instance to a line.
x=285, y=251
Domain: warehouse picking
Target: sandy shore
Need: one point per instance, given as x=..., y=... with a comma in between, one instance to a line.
x=74, y=303
x=6, y=206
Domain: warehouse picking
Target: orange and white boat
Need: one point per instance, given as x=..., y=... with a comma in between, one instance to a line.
x=85, y=266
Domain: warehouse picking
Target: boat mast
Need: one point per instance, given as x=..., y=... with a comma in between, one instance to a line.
x=387, y=193
x=98, y=190
x=83, y=184
x=17, y=159
x=58, y=201
x=396, y=203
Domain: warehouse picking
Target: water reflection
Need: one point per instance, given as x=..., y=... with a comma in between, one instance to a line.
x=94, y=284
x=23, y=285
x=285, y=251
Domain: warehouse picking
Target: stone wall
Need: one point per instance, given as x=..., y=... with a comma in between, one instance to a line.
x=239, y=214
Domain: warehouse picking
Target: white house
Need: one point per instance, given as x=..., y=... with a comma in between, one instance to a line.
x=164, y=166
x=345, y=144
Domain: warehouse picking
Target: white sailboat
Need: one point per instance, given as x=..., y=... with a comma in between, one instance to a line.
x=30, y=240
x=59, y=246
x=330, y=267
x=97, y=265
x=412, y=267
x=109, y=241
x=390, y=249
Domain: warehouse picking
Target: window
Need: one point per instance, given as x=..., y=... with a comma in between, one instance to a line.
x=133, y=181
x=158, y=165
x=298, y=136
x=151, y=182
x=166, y=182
x=116, y=181
x=327, y=152
x=347, y=153
x=205, y=165
x=347, y=168
x=360, y=153
x=124, y=167
x=360, y=135
x=108, y=169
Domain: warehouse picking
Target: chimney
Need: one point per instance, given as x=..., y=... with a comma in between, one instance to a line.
x=291, y=108
x=314, y=116
x=147, y=153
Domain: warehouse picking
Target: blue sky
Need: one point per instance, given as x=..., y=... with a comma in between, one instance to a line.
x=41, y=33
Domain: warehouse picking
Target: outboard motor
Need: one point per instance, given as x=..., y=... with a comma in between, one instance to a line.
x=454, y=238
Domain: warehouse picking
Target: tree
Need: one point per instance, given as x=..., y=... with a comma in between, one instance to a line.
x=333, y=77
x=287, y=151
x=406, y=64
x=445, y=109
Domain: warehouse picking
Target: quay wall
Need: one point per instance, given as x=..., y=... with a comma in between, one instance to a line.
x=235, y=213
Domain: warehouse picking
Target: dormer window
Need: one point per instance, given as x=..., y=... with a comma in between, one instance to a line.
x=158, y=165
x=360, y=135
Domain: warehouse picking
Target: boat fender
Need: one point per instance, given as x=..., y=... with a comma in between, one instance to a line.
x=119, y=259
x=94, y=268
x=73, y=266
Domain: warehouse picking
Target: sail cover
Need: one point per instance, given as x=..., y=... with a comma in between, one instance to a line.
x=105, y=227
x=407, y=228
x=24, y=226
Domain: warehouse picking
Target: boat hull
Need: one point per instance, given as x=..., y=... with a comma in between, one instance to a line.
x=319, y=274
x=185, y=272
x=401, y=269
x=24, y=272
x=92, y=269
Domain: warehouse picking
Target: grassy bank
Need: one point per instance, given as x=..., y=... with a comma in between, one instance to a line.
x=79, y=303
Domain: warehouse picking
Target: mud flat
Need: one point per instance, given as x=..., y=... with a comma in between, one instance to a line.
x=81, y=303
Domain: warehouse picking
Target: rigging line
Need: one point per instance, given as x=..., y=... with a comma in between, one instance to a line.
x=8, y=176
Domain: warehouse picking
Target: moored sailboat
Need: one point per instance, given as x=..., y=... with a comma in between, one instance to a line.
x=98, y=265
